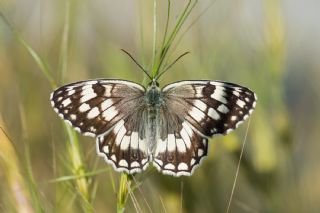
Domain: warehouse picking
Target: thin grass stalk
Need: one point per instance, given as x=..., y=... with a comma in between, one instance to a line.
x=154, y=42
x=64, y=43
x=12, y=172
x=124, y=189
x=74, y=148
x=168, y=41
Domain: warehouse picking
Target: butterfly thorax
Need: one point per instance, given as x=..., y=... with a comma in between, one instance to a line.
x=153, y=96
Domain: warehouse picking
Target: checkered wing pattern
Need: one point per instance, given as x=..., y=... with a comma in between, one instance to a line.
x=111, y=111
x=192, y=112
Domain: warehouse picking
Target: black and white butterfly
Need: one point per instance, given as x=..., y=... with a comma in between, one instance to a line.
x=169, y=127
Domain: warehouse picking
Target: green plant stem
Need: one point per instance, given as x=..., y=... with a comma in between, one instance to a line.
x=154, y=32
x=167, y=43
x=123, y=192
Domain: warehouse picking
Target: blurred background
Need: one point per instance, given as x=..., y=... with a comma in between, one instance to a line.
x=269, y=46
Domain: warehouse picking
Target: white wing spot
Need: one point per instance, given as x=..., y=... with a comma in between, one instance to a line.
x=200, y=104
x=135, y=164
x=181, y=146
x=213, y=114
x=171, y=143
x=125, y=143
x=106, y=104
x=223, y=108
x=71, y=92
x=216, y=83
x=113, y=157
x=229, y=130
x=110, y=113
x=134, y=140
x=84, y=107
x=219, y=94
x=218, y=97
x=106, y=149
x=107, y=91
x=73, y=117
x=182, y=166
x=94, y=112
x=59, y=99
x=142, y=145
x=241, y=103
x=193, y=161
x=66, y=102
x=123, y=163
x=197, y=114
x=200, y=152
x=87, y=89
x=87, y=97
x=233, y=118
x=120, y=135
x=236, y=93
x=247, y=99
x=169, y=166
x=185, y=137
x=161, y=146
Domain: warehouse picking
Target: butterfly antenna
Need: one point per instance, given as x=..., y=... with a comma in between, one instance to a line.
x=169, y=66
x=134, y=60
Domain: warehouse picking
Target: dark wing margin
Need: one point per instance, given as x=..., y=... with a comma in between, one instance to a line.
x=104, y=109
x=192, y=112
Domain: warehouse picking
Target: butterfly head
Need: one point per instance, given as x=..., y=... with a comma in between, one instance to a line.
x=154, y=83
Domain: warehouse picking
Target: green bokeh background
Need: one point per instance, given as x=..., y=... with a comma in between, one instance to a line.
x=269, y=46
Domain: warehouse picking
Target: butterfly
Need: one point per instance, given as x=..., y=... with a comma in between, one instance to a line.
x=169, y=127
